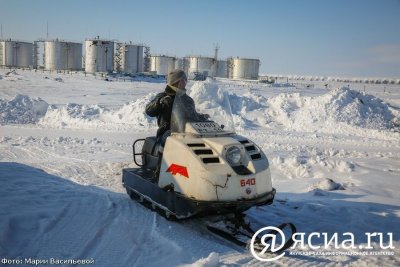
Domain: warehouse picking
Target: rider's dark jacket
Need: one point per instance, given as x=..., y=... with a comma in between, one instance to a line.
x=163, y=112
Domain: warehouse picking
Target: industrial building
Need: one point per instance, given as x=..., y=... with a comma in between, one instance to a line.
x=129, y=58
x=61, y=55
x=162, y=64
x=16, y=54
x=99, y=55
x=179, y=63
x=243, y=68
x=222, y=69
x=107, y=56
x=199, y=64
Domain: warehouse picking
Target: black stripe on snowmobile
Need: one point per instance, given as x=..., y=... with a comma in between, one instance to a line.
x=210, y=160
x=203, y=151
x=196, y=145
x=250, y=148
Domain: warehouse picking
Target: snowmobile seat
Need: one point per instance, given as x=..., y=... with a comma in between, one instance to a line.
x=150, y=153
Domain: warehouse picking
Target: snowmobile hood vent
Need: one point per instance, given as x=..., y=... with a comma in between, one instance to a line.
x=210, y=160
x=196, y=145
x=252, y=150
x=204, y=152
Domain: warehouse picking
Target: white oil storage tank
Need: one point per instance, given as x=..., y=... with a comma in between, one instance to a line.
x=99, y=55
x=162, y=64
x=243, y=68
x=129, y=58
x=222, y=69
x=16, y=54
x=200, y=64
x=62, y=55
x=179, y=64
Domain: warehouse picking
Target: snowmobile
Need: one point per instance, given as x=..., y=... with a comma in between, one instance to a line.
x=205, y=169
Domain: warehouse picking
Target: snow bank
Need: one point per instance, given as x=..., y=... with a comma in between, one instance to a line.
x=206, y=93
x=338, y=111
x=73, y=115
x=247, y=102
x=208, y=96
x=131, y=115
x=22, y=109
x=335, y=111
x=212, y=100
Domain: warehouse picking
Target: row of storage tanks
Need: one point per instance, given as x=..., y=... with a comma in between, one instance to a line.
x=233, y=68
x=107, y=56
x=61, y=55
x=16, y=54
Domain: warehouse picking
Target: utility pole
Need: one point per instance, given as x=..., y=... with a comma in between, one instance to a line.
x=47, y=29
x=1, y=36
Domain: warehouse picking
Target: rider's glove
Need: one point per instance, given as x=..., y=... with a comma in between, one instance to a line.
x=166, y=102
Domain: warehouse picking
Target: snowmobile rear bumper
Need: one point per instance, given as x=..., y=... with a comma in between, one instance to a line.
x=137, y=184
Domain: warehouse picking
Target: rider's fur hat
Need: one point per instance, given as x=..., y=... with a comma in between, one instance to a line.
x=175, y=76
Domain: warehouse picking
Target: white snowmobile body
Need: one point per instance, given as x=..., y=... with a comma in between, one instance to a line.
x=205, y=168
x=197, y=166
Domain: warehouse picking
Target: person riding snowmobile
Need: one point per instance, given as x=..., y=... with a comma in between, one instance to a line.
x=161, y=105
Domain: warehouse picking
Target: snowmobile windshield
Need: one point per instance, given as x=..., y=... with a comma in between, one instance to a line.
x=202, y=110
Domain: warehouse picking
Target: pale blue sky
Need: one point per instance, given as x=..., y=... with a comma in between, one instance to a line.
x=309, y=37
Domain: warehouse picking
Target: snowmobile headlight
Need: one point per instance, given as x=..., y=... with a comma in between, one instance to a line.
x=233, y=155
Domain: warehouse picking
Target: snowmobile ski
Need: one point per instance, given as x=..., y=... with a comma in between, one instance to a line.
x=235, y=230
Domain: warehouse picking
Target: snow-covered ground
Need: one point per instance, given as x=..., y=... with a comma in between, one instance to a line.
x=334, y=151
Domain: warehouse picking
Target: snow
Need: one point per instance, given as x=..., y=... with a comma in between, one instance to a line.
x=49, y=217
x=327, y=185
x=22, y=109
x=80, y=116
x=336, y=111
x=334, y=154
x=211, y=261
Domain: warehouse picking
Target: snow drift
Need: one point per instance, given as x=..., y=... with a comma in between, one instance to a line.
x=130, y=115
x=208, y=95
x=336, y=111
x=22, y=109
x=340, y=110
